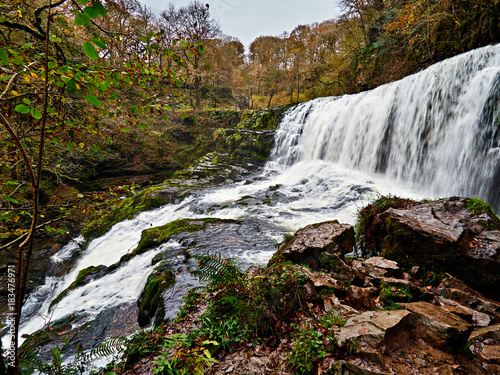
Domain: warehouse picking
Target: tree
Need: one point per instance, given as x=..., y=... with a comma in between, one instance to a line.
x=53, y=86
x=191, y=26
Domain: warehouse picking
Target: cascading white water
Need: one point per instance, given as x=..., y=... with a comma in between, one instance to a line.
x=435, y=133
x=438, y=130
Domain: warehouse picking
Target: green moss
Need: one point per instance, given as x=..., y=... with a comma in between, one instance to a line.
x=153, y=237
x=368, y=214
x=390, y=293
x=41, y=337
x=330, y=262
x=150, y=302
x=116, y=210
x=267, y=119
x=478, y=207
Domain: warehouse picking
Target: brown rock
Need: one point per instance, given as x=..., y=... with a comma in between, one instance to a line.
x=376, y=267
x=362, y=298
x=370, y=327
x=356, y=366
x=479, y=319
x=321, y=279
x=486, y=333
x=314, y=244
x=490, y=354
x=437, y=326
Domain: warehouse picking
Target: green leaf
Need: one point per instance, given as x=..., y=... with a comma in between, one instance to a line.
x=9, y=199
x=92, y=12
x=100, y=8
x=52, y=65
x=27, y=101
x=92, y=99
x=82, y=19
x=90, y=50
x=71, y=86
x=36, y=113
x=12, y=183
x=83, y=2
x=3, y=55
x=5, y=78
x=99, y=43
x=22, y=108
x=27, y=45
x=55, y=39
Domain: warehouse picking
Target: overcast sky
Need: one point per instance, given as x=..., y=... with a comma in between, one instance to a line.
x=248, y=19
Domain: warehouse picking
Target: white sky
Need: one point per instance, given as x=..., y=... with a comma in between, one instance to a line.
x=248, y=19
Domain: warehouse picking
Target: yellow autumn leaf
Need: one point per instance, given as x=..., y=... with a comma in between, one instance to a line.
x=34, y=75
x=14, y=92
x=20, y=13
x=27, y=78
x=81, y=144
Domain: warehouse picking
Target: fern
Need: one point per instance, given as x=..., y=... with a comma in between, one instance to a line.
x=216, y=269
x=111, y=346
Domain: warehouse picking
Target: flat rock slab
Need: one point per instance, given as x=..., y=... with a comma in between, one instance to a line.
x=479, y=319
x=486, y=333
x=370, y=327
x=438, y=326
x=377, y=267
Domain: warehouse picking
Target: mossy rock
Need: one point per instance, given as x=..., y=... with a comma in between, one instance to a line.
x=442, y=236
x=156, y=236
x=150, y=302
x=114, y=211
x=84, y=277
x=267, y=119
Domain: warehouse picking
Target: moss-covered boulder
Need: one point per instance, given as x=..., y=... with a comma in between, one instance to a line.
x=116, y=210
x=150, y=302
x=158, y=235
x=84, y=277
x=457, y=235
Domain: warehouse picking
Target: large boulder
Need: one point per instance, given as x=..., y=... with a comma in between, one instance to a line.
x=449, y=235
x=319, y=246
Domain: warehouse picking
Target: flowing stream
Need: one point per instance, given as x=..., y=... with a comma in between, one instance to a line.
x=432, y=134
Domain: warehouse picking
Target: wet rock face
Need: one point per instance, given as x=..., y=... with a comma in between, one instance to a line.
x=443, y=236
x=319, y=246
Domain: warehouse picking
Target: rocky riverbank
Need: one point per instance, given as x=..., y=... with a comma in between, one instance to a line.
x=318, y=309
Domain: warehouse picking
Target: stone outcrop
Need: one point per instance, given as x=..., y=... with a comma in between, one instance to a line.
x=319, y=246
x=449, y=235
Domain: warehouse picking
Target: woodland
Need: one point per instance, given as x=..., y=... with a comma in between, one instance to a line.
x=100, y=98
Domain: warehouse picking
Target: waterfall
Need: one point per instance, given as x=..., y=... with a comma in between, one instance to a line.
x=435, y=133
x=437, y=130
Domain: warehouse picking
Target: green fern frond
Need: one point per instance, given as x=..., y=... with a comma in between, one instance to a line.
x=216, y=269
x=113, y=345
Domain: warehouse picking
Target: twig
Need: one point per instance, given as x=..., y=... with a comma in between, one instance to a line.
x=25, y=234
x=13, y=78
